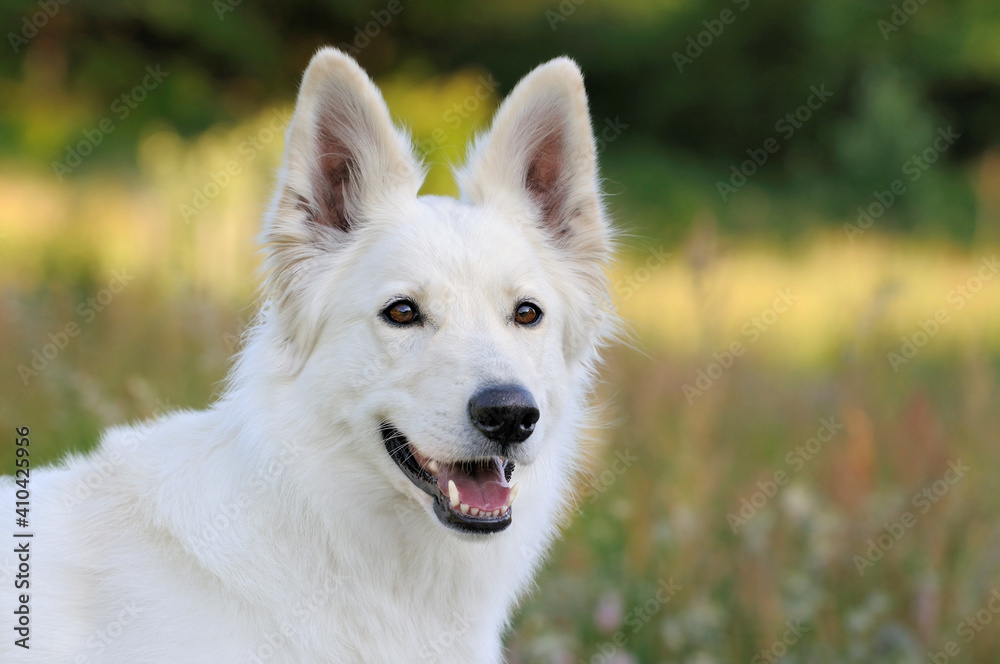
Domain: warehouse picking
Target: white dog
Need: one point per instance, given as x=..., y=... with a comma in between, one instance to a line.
x=418, y=363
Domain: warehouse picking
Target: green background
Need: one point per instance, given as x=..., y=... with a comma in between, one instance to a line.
x=896, y=74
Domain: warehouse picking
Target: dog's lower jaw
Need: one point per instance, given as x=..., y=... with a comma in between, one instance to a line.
x=429, y=476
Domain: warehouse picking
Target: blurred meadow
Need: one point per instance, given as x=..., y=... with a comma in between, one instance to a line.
x=804, y=425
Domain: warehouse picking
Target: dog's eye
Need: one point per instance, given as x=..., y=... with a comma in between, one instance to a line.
x=401, y=312
x=527, y=314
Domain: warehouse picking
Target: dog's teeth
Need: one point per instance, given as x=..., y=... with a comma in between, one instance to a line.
x=465, y=508
x=453, y=492
x=474, y=511
x=496, y=513
x=504, y=509
x=433, y=465
x=513, y=494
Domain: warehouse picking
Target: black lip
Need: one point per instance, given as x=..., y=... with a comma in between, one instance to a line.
x=398, y=448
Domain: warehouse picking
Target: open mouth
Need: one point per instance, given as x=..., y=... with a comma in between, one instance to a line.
x=473, y=496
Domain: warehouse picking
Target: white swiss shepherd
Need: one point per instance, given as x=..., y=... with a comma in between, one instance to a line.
x=418, y=362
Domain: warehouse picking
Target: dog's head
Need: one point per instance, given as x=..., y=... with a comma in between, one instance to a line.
x=452, y=340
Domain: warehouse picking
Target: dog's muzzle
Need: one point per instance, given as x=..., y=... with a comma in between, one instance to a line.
x=473, y=496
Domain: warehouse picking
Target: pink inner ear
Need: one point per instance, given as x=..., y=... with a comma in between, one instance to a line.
x=543, y=169
x=332, y=180
x=546, y=180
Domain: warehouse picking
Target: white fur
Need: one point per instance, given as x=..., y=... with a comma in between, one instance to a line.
x=273, y=526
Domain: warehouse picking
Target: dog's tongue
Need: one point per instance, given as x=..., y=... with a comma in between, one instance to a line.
x=482, y=486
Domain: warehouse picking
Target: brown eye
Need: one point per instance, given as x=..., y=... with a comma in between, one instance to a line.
x=402, y=312
x=527, y=314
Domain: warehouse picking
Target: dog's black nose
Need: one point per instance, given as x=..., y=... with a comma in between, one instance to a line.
x=504, y=413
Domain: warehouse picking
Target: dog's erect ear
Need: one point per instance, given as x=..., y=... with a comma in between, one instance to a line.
x=539, y=155
x=345, y=163
x=343, y=157
x=541, y=147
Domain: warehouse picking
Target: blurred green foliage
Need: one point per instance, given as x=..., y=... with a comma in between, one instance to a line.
x=891, y=88
x=166, y=341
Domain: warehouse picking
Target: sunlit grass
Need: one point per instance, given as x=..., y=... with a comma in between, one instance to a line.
x=870, y=292
x=165, y=340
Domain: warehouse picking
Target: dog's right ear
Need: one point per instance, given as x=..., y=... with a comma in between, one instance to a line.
x=343, y=157
x=344, y=163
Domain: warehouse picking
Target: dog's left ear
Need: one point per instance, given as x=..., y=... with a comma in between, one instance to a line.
x=344, y=161
x=541, y=148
